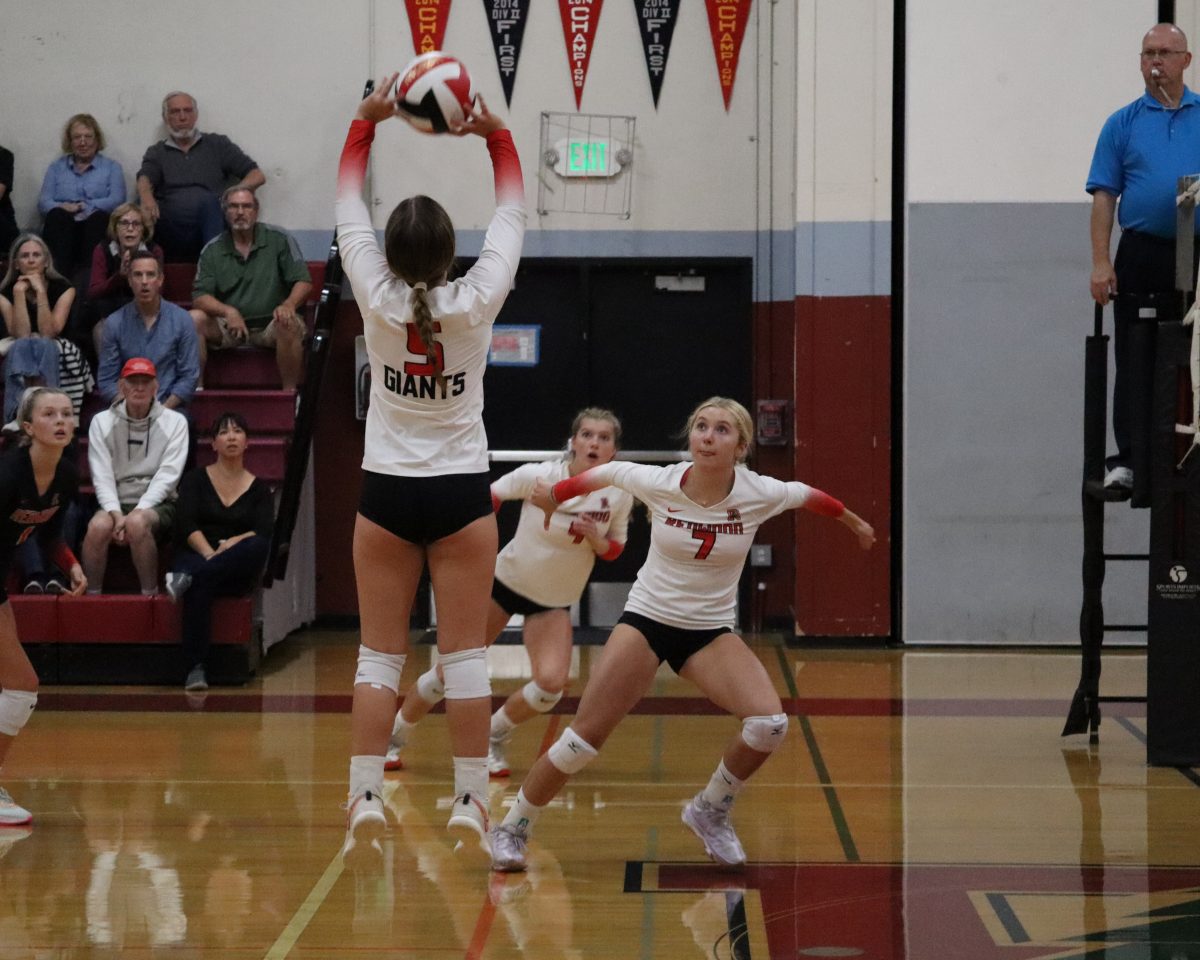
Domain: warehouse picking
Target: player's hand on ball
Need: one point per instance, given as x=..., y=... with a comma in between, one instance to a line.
x=381, y=102
x=480, y=120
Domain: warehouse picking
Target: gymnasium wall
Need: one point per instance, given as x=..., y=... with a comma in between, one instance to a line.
x=1004, y=106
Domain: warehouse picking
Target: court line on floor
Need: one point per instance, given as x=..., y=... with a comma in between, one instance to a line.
x=1188, y=773
x=307, y=910
x=849, y=848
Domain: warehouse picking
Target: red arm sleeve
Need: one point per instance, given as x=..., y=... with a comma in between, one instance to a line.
x=496, y=501
x=822, y=503
x=574, y=487
x=352, y=169
x=506, y=167
x=62, y=557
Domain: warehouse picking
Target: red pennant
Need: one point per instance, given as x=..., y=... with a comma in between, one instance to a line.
x=579, y=20
x=727, y=22
x=427, y=19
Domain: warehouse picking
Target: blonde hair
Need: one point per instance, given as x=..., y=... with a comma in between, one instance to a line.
x=119, y=211
x=87, y=120
x=13, y=269
x=29, y=400
x=741, y=419
x=595, y=413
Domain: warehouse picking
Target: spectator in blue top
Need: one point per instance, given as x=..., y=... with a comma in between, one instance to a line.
x=150, y=327
x=80, y=189
x=1143, y=149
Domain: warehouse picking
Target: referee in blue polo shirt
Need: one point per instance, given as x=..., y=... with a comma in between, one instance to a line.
x=1142, y=151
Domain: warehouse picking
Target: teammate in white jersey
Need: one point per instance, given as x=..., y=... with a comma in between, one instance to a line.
x=425, y=494
x=703, y=518
x=539, y=574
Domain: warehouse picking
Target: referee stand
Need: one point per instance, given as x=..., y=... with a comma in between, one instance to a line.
x=1166, y=468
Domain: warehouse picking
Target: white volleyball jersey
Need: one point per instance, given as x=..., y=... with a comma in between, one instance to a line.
x=696, y=556
x=417, y=426
x=551, y=567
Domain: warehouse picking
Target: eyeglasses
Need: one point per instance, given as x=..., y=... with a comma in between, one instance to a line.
x=83, y=137
x=1161, y=54
x=130, y=223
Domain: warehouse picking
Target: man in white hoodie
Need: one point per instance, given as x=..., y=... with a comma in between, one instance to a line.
x=136, y=452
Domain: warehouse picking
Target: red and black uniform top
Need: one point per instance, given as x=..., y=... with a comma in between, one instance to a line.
x=25, y=513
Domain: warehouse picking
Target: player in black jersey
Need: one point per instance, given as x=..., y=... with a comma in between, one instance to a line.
x=36, y=485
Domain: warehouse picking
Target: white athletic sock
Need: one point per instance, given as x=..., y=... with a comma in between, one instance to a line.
x=366, y=773
x=502, y=726
x=471, y=776
x=401, y=731
x=722, y=788
x=523, y=813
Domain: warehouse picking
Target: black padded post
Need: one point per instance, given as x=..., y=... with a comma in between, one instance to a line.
x=1084, y=714
x=1173, y=667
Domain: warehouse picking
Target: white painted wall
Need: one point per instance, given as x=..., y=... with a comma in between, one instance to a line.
x=282, y=80
x=1005, y=101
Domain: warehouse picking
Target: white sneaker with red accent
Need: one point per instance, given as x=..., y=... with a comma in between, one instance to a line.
x=468, y=824
x=365, y=824
x=11, y=813
x=497, y=761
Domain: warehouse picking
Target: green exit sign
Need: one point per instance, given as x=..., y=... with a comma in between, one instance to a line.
x=586, y=157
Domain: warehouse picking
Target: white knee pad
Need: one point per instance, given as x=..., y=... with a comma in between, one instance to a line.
x=466, y=674
x=539, y=699
x=571, y=753
x=764, y=734
x=430, y=687
x=15, y=709
x=379, y=669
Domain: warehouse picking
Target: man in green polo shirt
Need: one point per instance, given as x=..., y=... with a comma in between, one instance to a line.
x=250, y=286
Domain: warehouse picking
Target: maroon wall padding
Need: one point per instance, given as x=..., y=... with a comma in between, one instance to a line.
x=843, y=446
x=37, y=618
x=337, y=470
x=775, y=379
x=124, y=619
x=106, y=618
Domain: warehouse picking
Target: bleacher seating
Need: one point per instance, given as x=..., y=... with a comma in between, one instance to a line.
x=127, y=638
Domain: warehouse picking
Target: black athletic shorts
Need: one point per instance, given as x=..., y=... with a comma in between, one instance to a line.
x=673, y=644
x=512, y=602
x=425, y=509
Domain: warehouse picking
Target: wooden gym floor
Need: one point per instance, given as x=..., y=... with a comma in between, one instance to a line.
x=923, y=806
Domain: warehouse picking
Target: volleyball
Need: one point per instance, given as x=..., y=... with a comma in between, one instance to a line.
x=434, y=92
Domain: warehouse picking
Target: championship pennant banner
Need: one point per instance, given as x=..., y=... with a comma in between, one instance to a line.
x=727, y=22
x=656, y=23
x=579, y=20
x=506, y=24
x=427, y=18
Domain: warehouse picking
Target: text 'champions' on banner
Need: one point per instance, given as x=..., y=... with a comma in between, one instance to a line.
x=579, y=20
x=656, y=24
x=506, y=25
x=427, y=19
x=727, y=22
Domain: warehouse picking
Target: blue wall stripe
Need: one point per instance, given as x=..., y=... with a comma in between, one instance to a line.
x=822, y=259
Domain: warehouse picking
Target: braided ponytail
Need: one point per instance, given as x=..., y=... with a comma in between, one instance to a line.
x=423, y=317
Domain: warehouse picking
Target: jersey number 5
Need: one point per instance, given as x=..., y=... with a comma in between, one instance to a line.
x=707, y=540
x=417, y=345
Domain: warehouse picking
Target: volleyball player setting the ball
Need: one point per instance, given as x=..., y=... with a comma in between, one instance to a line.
x=36, y=485
x=425, y=492
x=704, y=515
x=539, y=574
